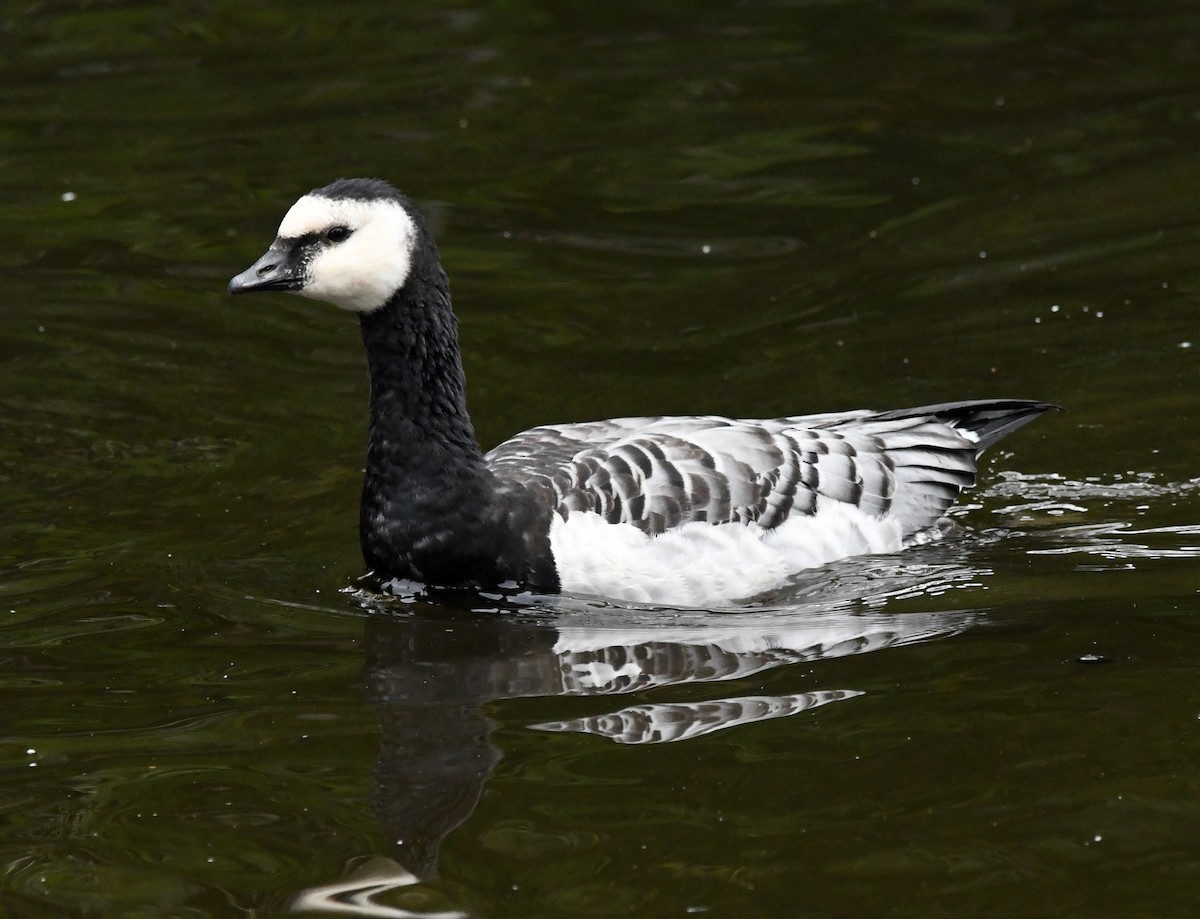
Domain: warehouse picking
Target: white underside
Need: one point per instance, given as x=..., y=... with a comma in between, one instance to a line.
x=699, y=564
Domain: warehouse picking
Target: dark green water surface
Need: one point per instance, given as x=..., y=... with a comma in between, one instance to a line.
x=748, y=209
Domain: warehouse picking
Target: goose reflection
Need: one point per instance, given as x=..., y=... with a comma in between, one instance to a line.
x=430, y=676
x=432, y=671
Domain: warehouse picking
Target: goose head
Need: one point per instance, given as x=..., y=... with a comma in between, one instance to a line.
x=350, y=243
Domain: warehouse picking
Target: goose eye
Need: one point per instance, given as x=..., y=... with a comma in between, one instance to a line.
x=337, y=234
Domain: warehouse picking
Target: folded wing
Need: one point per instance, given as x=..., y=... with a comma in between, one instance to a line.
x=659, y=473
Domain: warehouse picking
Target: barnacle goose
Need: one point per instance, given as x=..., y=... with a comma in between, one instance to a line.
x=675, y=510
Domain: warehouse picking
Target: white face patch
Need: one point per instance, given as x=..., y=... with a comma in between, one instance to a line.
x=362, y=272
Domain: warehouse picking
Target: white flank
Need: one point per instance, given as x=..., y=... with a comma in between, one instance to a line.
x=361, y=273
x=699, y=564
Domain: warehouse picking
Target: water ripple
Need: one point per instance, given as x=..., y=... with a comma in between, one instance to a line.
x=1116, y=538
x=1120, y=541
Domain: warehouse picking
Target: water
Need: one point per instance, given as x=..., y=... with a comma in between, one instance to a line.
x=748, y=210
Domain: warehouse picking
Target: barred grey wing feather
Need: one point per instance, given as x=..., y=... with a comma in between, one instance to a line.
x=659, y=473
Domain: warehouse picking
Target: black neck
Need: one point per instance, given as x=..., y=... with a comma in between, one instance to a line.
x=432, y=510
x=418, y=390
